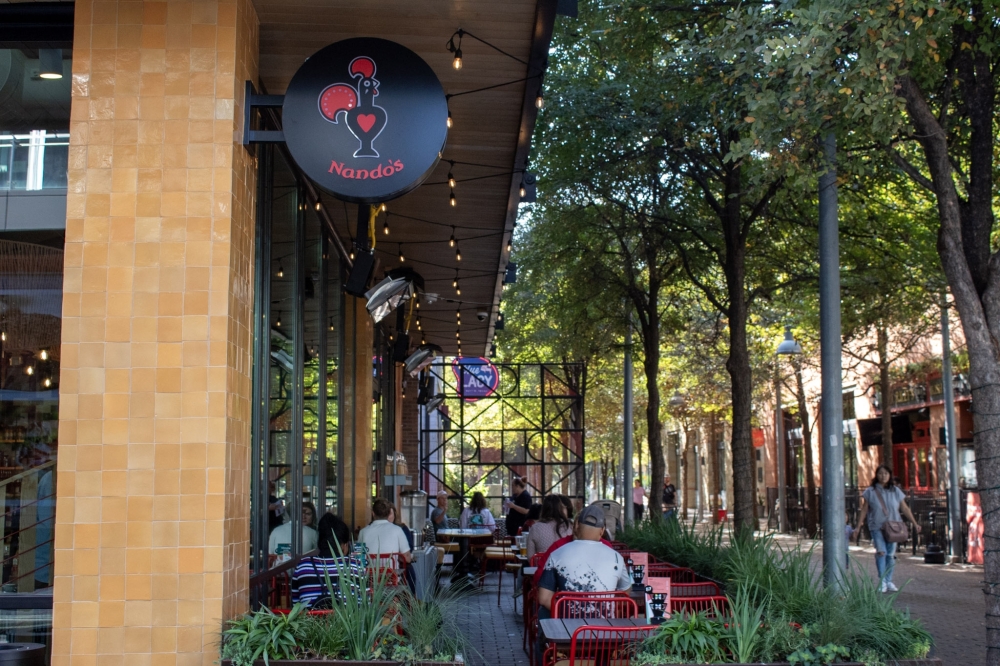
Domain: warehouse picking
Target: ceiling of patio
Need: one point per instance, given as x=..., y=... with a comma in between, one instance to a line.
x=488, y=142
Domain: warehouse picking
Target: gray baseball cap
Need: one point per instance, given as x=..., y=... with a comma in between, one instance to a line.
x=592, y=516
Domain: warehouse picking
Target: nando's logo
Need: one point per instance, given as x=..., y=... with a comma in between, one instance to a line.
x=356, y=111
x=365, y=119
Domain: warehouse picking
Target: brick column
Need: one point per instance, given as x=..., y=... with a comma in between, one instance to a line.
x=152, y=531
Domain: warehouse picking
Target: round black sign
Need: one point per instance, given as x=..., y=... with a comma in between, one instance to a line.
x=366, y=119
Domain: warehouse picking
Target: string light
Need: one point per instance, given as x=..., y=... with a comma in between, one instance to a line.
x=457, y=62
x=509, y=245
x=30, y=370
x=331, y=323
x=47, y=382
x=381, y=208
x=522, y=191
x=423, y=340
x=281, y=270
x=451, y=179
x=385, y=227
x=352, y=255
x=44, y=355
x=401, y=257
x=277, y=322
x=539, y=101
x=458, y=254
x=3, y=334
x=451, y=241
x=451, y=199
x=418, y=323
x=319, y=206
x=450, y=122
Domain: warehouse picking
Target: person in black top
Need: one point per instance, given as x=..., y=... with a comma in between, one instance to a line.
x=669, y=497
x=518, y=506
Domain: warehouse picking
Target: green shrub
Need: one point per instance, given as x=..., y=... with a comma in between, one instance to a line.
x=686, y=638
x=263, y=635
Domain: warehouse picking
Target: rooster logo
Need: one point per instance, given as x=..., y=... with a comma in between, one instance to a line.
x=365, y=120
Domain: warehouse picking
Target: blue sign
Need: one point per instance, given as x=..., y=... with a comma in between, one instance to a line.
x=476, y=376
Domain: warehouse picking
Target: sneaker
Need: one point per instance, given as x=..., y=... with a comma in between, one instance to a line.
x=883, y=588
x=891, y=587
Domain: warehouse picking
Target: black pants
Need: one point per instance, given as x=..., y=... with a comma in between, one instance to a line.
x=637, y=511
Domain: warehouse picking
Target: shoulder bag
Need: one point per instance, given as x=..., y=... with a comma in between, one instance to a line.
x=894, y=531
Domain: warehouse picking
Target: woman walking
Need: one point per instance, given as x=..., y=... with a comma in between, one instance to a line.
x=883, y=503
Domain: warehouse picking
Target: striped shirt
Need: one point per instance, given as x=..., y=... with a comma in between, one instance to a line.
x=309, y=581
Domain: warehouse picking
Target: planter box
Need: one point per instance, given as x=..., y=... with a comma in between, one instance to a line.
x=902, y=662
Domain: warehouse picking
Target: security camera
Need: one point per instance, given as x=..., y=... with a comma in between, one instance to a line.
x=482, y=315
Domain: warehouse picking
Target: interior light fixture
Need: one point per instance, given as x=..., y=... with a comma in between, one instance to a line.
x=50, y=64
x=451, y=241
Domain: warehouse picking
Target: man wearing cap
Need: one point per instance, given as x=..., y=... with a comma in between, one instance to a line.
x=584, y=564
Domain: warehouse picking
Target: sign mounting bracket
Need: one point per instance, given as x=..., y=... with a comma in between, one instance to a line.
x=254, y=100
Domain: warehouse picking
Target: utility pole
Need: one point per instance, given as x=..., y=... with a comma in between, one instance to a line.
x=627, y=417
x=834, y=546
x=954, y=492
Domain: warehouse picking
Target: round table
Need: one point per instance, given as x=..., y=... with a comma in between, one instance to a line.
x=463, y=536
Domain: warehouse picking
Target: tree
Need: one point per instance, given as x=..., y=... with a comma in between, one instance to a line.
x=917, y=82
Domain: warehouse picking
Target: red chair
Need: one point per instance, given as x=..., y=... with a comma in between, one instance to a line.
x=593, y=604
x=703, y=589
x=535, y=560
x=713, y=606
x=675, y=574
x=599, y=645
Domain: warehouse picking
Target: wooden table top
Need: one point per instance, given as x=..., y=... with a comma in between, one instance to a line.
x=560, y=631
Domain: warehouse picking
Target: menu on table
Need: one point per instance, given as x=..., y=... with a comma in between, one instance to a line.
x=658, y=600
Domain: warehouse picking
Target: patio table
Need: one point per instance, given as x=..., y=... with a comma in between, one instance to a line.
x=559, y=632
x=463, y=536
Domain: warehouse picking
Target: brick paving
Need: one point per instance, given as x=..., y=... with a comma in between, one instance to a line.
x=948, y=599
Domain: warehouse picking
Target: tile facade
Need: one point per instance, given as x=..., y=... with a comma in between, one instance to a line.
x=151, y=544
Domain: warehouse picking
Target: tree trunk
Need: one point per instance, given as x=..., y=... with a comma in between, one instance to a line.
x=885, y=387
x=738, y=363
x=975, y=284
x=812, y=519
x=654, y=434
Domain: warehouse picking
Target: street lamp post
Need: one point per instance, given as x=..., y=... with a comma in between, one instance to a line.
x=788, y=347
x=676, y=403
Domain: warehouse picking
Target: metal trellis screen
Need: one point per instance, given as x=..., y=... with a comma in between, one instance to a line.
x=489, y=423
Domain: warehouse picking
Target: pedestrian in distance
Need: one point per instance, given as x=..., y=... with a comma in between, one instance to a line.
x=882, y=503
x=669, y=497
x=638, y=493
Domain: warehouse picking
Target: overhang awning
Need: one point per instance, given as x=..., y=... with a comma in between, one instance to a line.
x=488, y=143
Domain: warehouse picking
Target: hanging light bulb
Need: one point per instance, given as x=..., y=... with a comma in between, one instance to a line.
x=458, y=313
x=458, y=290
x=352, y=255
x=450, y=121
x=457, y=62
x=451, y=241
x=385, y=227
x=418, y=323
x=381, y=208
x=458, y=254
x=277, y=322
x=44, y=355
x=451, y=179
x=401, y=257
x=47, y=382
x=281, y=270
x=522, y=191
x=457, y=337
x=331, y=323
x=451, y=198
x=423, y=340
x=509, y=245
x=539, y=101
x=319, y=206
x=3, y=336
x=30, y=370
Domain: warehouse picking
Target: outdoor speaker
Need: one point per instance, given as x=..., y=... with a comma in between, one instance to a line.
x=361, y=273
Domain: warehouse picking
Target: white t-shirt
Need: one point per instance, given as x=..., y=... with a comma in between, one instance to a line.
x=585, y=566
x=476, y=520
x=384, y=538
x=283, y=534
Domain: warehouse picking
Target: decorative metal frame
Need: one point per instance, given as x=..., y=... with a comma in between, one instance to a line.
x=532, y=426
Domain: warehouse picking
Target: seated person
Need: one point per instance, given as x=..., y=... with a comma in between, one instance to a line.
x=534, y=513
x=383, y=538
x=476, y=515
x=552, y=526
x=309, y=584
x=282, y=534
x=584, y=564
x=439, y=516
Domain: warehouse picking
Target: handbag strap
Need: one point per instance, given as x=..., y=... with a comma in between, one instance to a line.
x=882, y=502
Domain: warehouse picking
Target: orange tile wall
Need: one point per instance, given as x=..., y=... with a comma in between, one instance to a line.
x=151, y=544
